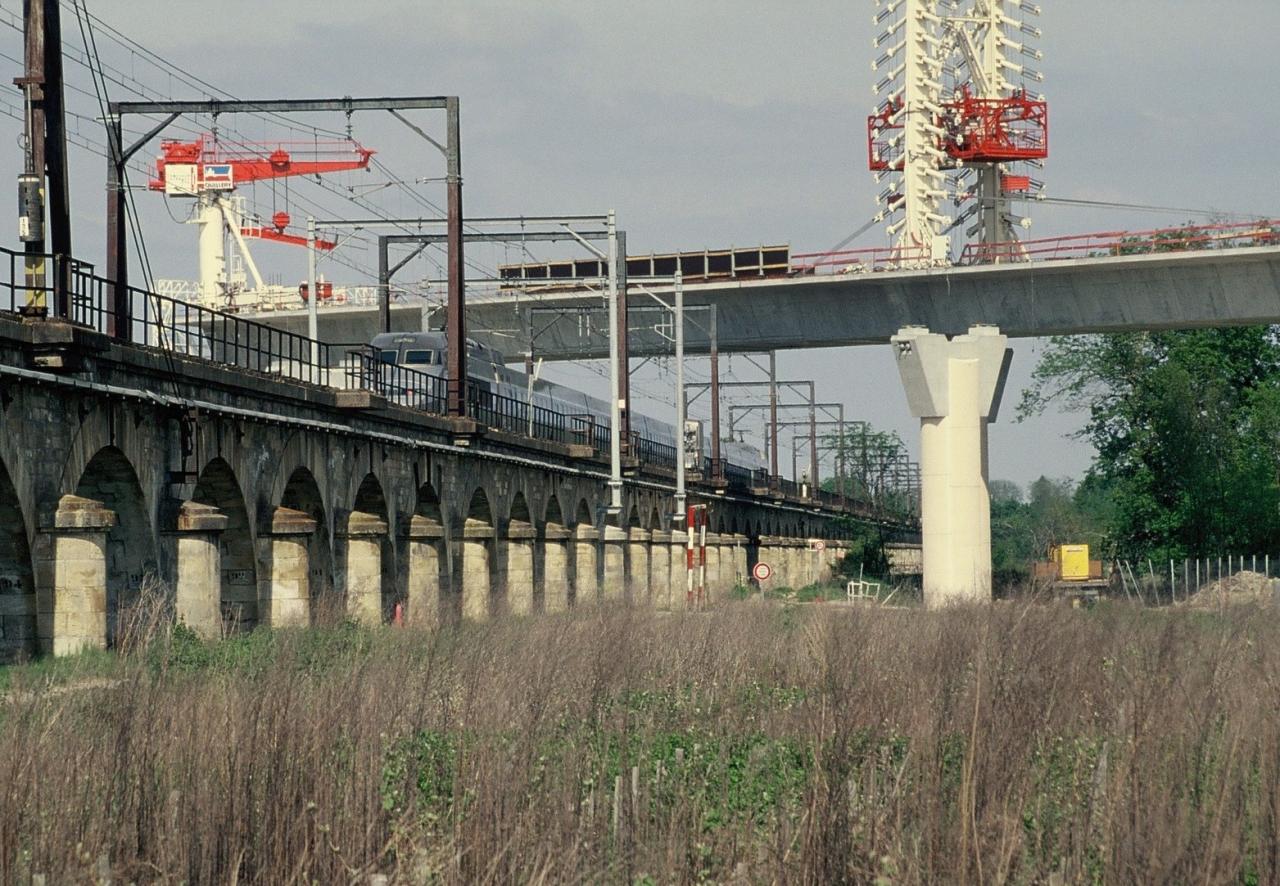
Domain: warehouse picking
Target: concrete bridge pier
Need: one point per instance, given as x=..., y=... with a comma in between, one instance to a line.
x=284, y=591
x=638, y=588
x=555, y=568
x=713, y=588
x=586, y=581
x=614, y=581
x=424, y=538
x=364, y=536
x=519, y=577
x=954, y=387
x=71, y=577
x=197, y=586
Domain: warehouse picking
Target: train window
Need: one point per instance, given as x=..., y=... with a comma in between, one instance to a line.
x=388, y=356
x=417, y=358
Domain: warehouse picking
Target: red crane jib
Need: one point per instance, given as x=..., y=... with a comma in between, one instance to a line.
x=246, y=166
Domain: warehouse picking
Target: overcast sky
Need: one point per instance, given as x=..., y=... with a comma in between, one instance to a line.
x=712, y=123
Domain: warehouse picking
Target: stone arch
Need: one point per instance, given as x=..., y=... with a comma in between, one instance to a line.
x=554, y=516
x=218, y=487
x=633, y=517
x=655, y=518
x=582, y=516
x=519, y=512
x=478, y=509
x=427, y=505
x=17, y=589
x=131, y=550
x=302, y=493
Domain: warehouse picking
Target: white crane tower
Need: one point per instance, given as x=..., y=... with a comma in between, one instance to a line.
x=955, y=115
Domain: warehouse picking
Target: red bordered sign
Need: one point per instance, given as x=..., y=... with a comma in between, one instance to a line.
x=762, y=571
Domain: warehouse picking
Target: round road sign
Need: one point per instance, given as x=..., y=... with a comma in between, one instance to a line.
x=819, y=546
x=762, y=571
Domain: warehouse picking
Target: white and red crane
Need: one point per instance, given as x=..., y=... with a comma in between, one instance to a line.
x=209, y=173
x=955, y=119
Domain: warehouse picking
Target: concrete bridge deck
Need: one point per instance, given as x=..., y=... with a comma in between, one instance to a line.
x=1168, y=290
x=260, y=500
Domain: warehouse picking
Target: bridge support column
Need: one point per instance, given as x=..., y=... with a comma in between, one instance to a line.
x=284, y=594
x=364, y=536
x=555, y=568
x=638, y=587
x=678, y=592
x=586, y=584
x=519, y=579
x=660, y=569
x=424, y=538
x=472, y=563
x=954, y=386
x=71, y=577
x=197, y=587
x=613, y=584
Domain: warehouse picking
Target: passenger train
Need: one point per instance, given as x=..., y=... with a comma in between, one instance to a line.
x=426, y=352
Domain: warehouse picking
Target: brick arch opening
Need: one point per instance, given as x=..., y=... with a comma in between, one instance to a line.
x=218, y=487
x=131, y=551
x=17, y=589
x=302, y=493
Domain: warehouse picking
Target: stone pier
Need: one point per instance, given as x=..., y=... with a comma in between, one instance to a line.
x=660, y=568
x=586, y=583
x=425, y=539
x=477, y=582
x=284, y=591
x=555, y=568
x=364, y=538
x=197, y=588
x=639, y=590
x=71, y=577
x=519, y=579
x=614, y=581
x=678, y=598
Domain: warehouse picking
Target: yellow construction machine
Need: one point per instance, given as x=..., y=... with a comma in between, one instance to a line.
x=1071, y=574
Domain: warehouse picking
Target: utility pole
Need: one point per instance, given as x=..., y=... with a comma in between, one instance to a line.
x=456, y=313
x=31, y=183
x=773, y=416
x=681, y=409
x=615, y=356
x=44, y=177
x=621, y=333
x=717, y=466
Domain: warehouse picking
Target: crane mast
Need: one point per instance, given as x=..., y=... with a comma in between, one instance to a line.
x=954, y=116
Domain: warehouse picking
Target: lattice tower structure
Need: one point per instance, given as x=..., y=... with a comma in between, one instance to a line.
x=954, y=113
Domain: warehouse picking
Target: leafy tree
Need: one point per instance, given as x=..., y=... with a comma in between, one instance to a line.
x=1185, y=425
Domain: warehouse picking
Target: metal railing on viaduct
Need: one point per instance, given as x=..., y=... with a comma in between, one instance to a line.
x=227, y=464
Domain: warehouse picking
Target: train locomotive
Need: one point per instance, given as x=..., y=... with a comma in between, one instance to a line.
x=493, y=382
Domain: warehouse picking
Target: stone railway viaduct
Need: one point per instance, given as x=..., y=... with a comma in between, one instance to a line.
x=258, y=500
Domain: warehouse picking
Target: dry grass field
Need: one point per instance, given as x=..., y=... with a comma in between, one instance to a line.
x=756, y=743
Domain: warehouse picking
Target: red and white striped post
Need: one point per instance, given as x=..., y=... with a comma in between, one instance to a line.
x=696, y=554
